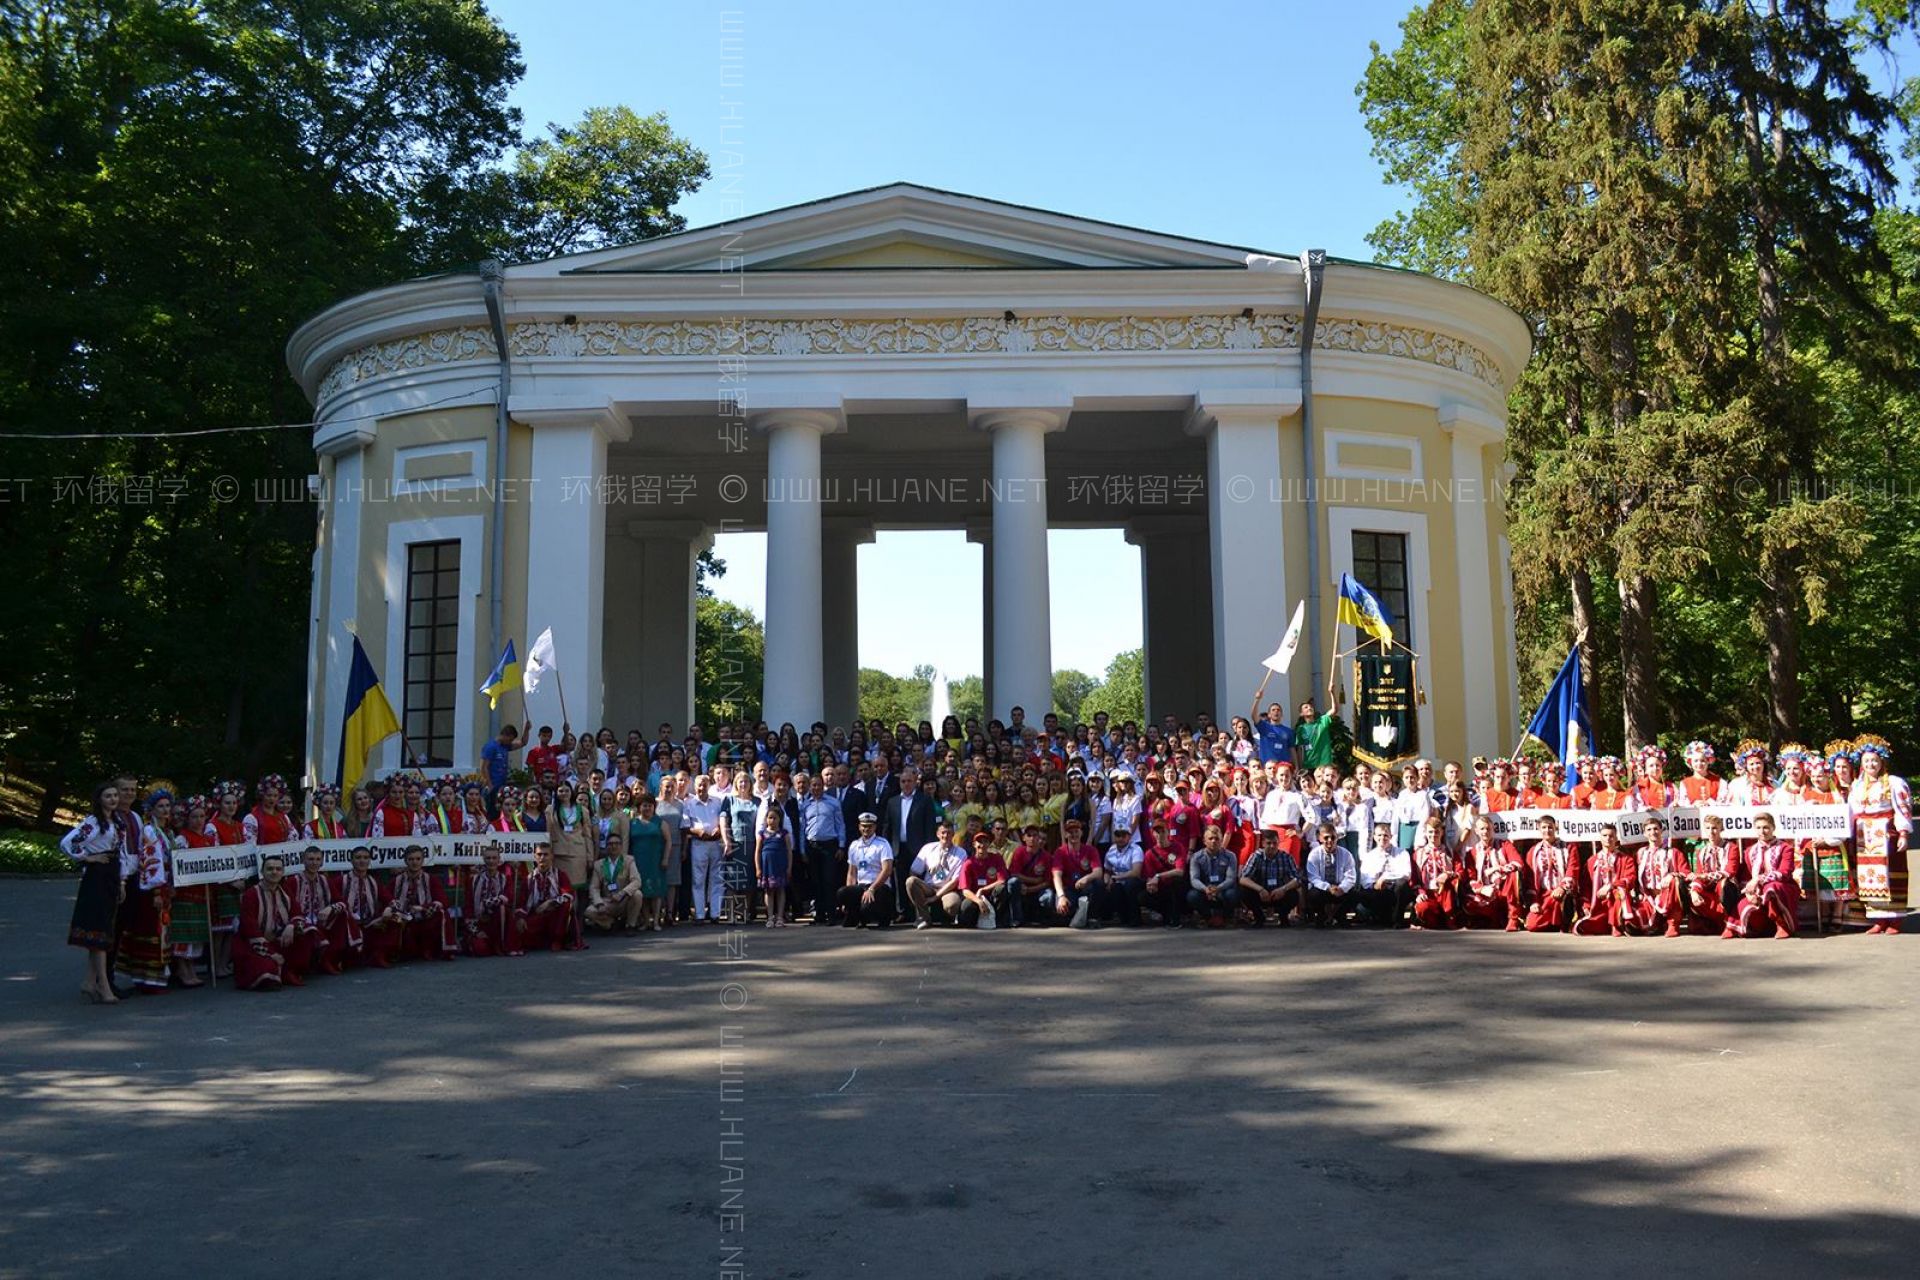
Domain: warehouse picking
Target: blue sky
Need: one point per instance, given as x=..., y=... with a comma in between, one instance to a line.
x=1232, y=122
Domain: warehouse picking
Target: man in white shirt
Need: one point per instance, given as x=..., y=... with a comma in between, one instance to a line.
x=1117, y=893
x=1331, y=875
x=700, y=821
x=934, y=881
x=1384, y=879
x=867, y=896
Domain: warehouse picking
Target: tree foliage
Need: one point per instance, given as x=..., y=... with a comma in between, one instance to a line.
x=1691, y=203
x=182, y=185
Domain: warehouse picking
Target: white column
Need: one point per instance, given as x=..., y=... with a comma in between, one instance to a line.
x=1471, y=431
x=1246, y=534
x=567, y=553
x=795, y=676
x=650, y=623
x=840, y=541
x=981, y=532
x=344, y=496
x=1022, y=634
x=1177, y=613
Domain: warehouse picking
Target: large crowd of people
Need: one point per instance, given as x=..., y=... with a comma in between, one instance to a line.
x=1009, y=825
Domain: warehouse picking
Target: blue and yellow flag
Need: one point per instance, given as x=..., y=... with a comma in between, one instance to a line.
x=1360, y=607
x=1561, y=724
x=505, y=676
x=367, y=721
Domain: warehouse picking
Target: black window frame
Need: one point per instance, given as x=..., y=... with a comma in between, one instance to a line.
x=433, y=581
x=1369, y=571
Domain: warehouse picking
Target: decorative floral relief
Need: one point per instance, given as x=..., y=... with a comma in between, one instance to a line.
x=939, y=336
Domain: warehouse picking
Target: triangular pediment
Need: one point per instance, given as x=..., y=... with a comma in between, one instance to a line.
x=901, y=226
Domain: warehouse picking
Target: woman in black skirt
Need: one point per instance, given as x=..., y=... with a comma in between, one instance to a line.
x=96, y=845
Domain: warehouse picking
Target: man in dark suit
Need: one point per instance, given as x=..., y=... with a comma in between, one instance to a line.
x=908, y=823
x=853, y=801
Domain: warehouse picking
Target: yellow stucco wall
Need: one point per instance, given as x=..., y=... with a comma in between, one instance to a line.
x=383, y=507
x=1442, y=664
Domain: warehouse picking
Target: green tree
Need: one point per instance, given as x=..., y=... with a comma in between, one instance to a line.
x=1411, y=102
x=185, y=184
x=1123, y=693
x=1070, y=689
x=610, y=178
x=182, y=185
x=729, y=661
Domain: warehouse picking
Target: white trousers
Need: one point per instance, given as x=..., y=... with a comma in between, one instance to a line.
x=709, y=883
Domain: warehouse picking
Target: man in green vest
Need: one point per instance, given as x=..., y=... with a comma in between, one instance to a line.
x=1313, y=738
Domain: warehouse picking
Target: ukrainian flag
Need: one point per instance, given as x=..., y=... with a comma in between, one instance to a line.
x=1360, y=607
x=504, y=676
x=368, y=720
x=1561, y=725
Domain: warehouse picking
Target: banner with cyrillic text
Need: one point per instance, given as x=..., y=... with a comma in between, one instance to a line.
x=228, y=863
x=1823, y=822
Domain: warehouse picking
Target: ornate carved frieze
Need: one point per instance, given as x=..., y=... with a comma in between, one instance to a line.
x=1046, y=334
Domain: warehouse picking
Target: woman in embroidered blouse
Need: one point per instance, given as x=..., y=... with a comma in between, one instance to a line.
x=96, y=846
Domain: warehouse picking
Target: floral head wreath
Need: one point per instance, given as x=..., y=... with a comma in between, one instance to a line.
x=1871, y=744
x=193, y=802
x=272, y=782
x=1653, y=751
x=1698, y=750
x=325, y=793
x=155, y=796
x=224, y=789
x=1794, y=751
x=1837, y=750
x=1604, y=761
x=1749, y=747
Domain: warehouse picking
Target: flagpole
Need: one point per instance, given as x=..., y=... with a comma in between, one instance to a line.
x=561, y=686
x=1333, y=659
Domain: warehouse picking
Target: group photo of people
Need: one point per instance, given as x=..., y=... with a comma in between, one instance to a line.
x=1015, y=824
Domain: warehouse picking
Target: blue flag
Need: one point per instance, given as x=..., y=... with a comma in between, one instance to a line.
x=1561, y=724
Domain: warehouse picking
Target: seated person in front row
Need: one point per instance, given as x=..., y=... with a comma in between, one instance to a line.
x=1214, y=874
x=1117, y=892
x=1556, y=881
x=275, y=945
x=983, y=884
x=1270, y=882
x=371, y=907
x=1030, y=874
x=336, y=937
x=614, y=897
x=933, y=883
x=426, y=927
x=1331, y=876
x=546, y=914
x=1769, y=903
x=1077, y=868
x=492, y=927
x=867, y=896
x=1385, y=879
x=1164, y=881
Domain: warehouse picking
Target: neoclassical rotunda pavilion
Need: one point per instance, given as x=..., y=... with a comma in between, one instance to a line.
x=902, y=358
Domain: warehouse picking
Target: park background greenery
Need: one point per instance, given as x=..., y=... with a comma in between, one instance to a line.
x=1698, y=203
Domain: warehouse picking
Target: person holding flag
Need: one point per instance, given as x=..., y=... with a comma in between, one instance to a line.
x=1272, y=734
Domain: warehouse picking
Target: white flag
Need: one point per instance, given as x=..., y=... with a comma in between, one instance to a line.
x=1283, y=656
x=539, y=661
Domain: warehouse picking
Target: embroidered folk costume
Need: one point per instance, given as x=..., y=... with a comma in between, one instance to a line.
x=1882, y=823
